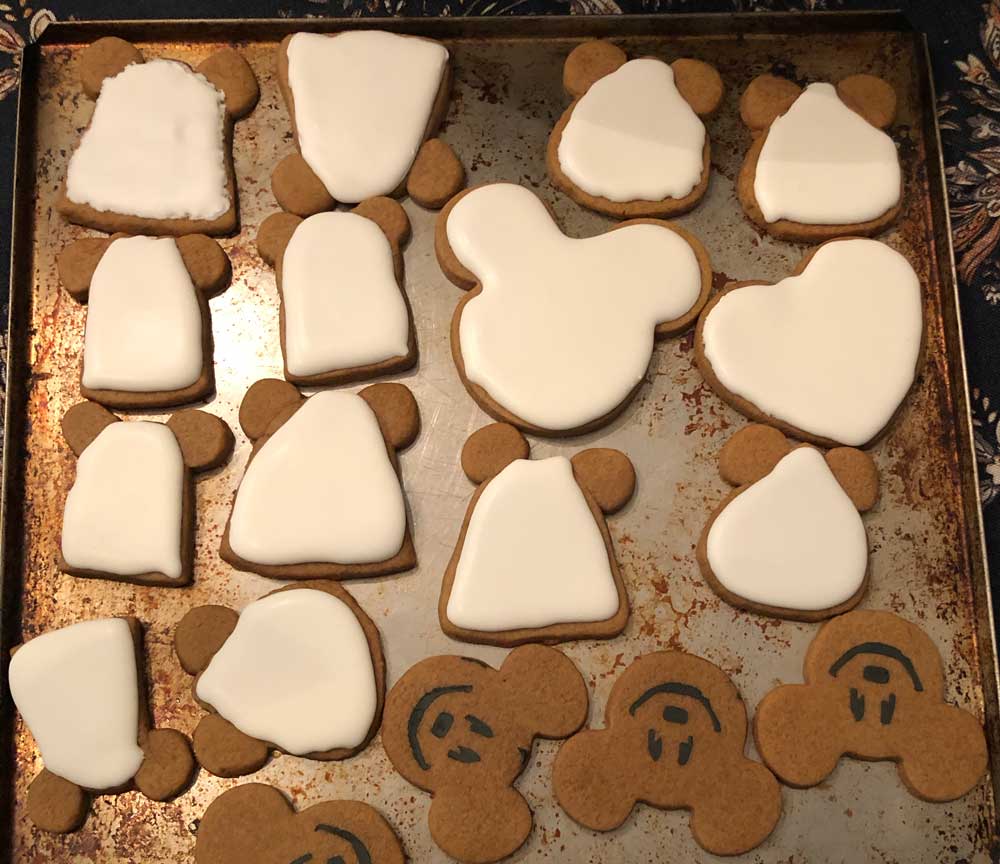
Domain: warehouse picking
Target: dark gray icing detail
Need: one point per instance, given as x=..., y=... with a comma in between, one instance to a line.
x=417, y=718
x=880, y=649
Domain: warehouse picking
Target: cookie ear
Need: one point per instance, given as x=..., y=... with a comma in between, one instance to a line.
x=546, y=690
x=700, y=84
x=589, y=62
x=55, y=804
x=105, y=58
x=77, y=262
x=491, y=449
x=168, y=765
x=297, y=188
x=766, y=98
x=222, y=750
x=871, y=97
x=436, y=175
x=588, y=782
x=944, y=754
x=206, y=263
x=230, y=831
x=855, y=470
x=389, y=216
x=264, y=401
x=83, y=423
x=751, y=454
x=397, y=412
x=206, y=440
x=607, y=475
x=229, y=71
x=749, y=790
x=201, y=633
x=274, y=234
x=501, y=817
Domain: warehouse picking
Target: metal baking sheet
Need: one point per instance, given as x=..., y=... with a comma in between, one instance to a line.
x=927, y=554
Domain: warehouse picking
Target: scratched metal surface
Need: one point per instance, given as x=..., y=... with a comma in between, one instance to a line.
x=507, y=97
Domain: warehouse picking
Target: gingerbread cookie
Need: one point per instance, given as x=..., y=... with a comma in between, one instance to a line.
x=130, y=515
x=299, y=670
x=827, y=354
x=674, y=737
x=344, y=315
x=463, y=731
x=820, y=165
x=157, y=155
x=789, y=540
x=148, y=339
x=534, y=560
x=556, y=334
x=81, y=693
x=633, y=143
x=874, y=690
x=321, y=495
x=256, y=824
x=371, y=138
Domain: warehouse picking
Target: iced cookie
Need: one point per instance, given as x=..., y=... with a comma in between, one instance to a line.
x=789, y=540
x=820, y=165
x=827, y=354
x=299, y=670
x=555, y=334
x=534, y=560
x=256, y=824
x=344, y=313
x=130, y=515
x=374, y=137
x=633, y=142
x=874, y=690
x=321, y=495
x=156, y=157
x=464, y=732
x=674, y=735
x=81, y=693
x=148, y=339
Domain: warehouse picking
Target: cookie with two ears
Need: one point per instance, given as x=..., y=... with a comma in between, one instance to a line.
x=89, y=199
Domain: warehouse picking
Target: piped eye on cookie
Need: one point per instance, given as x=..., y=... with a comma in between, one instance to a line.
x=633, y=143
x=534, y=560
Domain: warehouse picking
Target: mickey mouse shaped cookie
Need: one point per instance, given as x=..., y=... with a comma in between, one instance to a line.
x=148, y=339
x=321, y=495
x=874, y=690
x=344, y=314
x=534, y=560
x=256, y=824
x=157, y=155
x=820, y=165
x=555, y=334
x=633, y=142
x=674, y=736
x=130, y=515
x=463, y=731
x=374, y=137
x=299, y=670
x=789, y=540
x=81, y=693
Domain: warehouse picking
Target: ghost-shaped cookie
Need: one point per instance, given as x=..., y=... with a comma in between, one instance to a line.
x=555, y=334
x=633, y=142
x=156, y=157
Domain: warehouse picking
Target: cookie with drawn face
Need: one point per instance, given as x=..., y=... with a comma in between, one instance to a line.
x=633, y=142
x=156, y=157
x=874, y=689
x=674, y=736
x=463, y=731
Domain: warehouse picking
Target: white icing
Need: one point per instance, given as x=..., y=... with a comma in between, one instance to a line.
x=124, y=512
x=633, y=137
x=297, y=672
x=343, y=306
x=563, y=329
x=824, y=164
x=322, y=489
x=144, y=327
x=533, y=554
x=78, y=691
x=363, y=100
x=832, y=351
x=154, y=147
x=793, y=539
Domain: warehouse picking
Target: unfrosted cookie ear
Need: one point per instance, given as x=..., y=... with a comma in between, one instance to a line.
x=105, y=58
x=749, y=790
x=297, y=188
x=606, y=474
x=168, y=765
x=501, y=817
x=83, y=423
x=945, y=756
x=588, y=782
x=224, y=751
x=700, y=84
x=856, y=472
x=206, y=263
x=491, y=449
x=751, y=454
x=871, y=97
x=264, y=401
x=397, y=412
x=589, y=62
x=389, y=216
x=766, y=98
x=273, y=236
x=201, y=633
x=229, y=71
x=206, y=440
x=435, y=176
x=55, y=804
x=242, y=824
x=77, y=262
x=545, y=689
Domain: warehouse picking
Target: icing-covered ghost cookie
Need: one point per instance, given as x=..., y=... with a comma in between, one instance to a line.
x=321, y=495
x=372, y=138
x=464, y=732
x=534, y=560
x=555, y=334
x=674, y=735
x=299, y=670
x=821, y=164
x=130, y=515
x=633, y=142
x=148, y=339
x=81, y=693
x=789, y=541
x=874, y=689
x=344, y=313
x=827, y=354
x=156, y=157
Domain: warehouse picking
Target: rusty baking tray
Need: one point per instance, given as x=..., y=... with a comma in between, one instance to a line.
x=928, y=561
